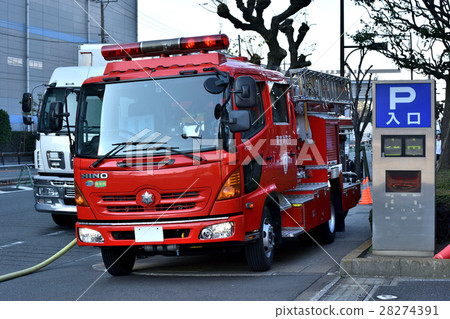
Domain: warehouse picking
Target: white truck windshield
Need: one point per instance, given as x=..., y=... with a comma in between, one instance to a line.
x=55, y=95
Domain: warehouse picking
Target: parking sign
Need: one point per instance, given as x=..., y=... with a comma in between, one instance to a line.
x=403, y=105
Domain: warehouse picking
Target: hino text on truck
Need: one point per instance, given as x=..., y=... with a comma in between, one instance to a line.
x=191, y=150
x=53, y=186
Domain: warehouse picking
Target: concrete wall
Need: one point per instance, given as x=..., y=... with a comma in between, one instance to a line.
x=56, y=28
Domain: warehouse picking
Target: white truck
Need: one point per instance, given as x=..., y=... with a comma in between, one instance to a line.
x=53, y=186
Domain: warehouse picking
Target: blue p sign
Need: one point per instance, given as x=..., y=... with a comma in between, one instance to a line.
x=403, y=105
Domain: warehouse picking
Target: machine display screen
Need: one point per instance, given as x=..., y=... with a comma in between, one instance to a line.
x=403, y=145
x=403, y=181
x=415, y=146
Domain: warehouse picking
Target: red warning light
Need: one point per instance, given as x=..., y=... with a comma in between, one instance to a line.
x=166, y=47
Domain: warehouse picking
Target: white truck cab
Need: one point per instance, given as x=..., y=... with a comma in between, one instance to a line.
x=53, y=186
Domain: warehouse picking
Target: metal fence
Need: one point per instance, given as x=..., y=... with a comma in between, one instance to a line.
x=16, y=158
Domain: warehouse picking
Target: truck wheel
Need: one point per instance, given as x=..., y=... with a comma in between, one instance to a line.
x=260, y=253
x=119, y=261
x=327, y=230
x=64, y=220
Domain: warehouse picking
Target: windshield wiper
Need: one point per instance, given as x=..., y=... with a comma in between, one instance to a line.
x=117, y=148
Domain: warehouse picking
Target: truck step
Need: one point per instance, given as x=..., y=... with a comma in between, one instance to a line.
x=291, y=232
x=298, y=199
x=285, y=204
x=307, y=188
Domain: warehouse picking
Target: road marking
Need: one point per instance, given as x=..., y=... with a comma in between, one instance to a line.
x=55, y=233
x=12, y=244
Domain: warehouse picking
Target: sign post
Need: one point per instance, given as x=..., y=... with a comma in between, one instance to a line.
x=403, y=168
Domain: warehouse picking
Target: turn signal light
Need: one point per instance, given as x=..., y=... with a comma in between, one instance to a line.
x=232, y=187
x=79, y=198
x=165, y=47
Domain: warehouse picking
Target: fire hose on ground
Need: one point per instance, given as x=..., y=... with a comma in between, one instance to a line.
x=30, y=270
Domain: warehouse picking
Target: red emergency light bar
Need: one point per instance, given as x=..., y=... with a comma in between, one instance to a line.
x=165, y=47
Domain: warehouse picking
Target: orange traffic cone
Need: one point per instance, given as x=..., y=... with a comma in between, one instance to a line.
x=366, y=198
x=443, y=254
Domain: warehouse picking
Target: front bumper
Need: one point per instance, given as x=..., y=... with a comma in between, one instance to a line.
x=176, y=232
x=54, y=195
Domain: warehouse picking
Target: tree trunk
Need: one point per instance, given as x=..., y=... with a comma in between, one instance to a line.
x=358, y=166
x=444, y=160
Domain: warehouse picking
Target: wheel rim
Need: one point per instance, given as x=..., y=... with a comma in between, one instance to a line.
x=268, y=238
x=332, y=221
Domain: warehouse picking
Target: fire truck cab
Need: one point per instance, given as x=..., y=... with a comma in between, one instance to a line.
x=185, y=149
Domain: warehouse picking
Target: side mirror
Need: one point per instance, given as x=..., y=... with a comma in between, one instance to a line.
x=239, y=121
x=27, y=120
x=27, y=102
x=55, y=115
x=215, y=85
x=245, y=92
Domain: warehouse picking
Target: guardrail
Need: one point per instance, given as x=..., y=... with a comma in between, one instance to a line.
x=16, y=158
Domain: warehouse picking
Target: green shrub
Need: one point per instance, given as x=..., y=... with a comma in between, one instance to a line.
x=443, y=207
x=443, y=187
x=19, y=142
x=5, y=128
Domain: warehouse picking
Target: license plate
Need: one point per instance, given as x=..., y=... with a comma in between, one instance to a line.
x=148, y=234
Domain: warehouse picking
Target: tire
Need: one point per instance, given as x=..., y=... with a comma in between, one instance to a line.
x=327, y=231
x=119, y=261
x=259, y=254
x=64, y=220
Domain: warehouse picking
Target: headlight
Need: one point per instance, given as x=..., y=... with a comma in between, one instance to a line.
x=47, y=191
x=87, y=235
x=218, y=231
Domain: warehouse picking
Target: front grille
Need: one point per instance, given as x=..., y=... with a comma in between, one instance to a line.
x=125, y=209
x=119, y=198
x=62, y=183
x=175, y=206
x=179, y=195
x=167, y=201
x=158, y=208
x=70, y=192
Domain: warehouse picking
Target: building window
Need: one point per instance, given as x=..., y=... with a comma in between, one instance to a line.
x=36, y=64
x=15, y=61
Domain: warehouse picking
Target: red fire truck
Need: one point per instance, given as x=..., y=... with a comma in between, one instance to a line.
x=187, y=150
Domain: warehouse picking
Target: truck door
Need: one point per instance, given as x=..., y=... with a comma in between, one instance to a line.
x=283, y=143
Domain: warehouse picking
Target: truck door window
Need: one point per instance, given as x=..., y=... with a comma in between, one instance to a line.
x=279, y=103
x=257, y=116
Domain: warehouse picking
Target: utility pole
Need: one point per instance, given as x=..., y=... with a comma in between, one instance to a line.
x=342, y=38
x=102, y=17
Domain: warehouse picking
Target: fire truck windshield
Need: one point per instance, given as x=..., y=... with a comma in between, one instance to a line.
x=54, y=95
x=177, y=113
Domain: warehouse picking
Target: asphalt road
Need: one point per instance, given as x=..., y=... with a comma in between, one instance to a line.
x=27, y=238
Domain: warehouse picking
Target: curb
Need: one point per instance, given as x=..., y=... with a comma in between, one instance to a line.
x=361, y=263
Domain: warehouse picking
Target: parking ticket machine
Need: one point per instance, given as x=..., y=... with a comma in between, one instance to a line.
x=403, y=168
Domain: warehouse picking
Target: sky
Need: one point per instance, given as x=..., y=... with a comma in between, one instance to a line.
x=165, y=19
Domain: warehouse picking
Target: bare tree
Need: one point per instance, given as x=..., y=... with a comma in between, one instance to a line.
x=427, y=22
x=362, y=107
x=252, y=13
